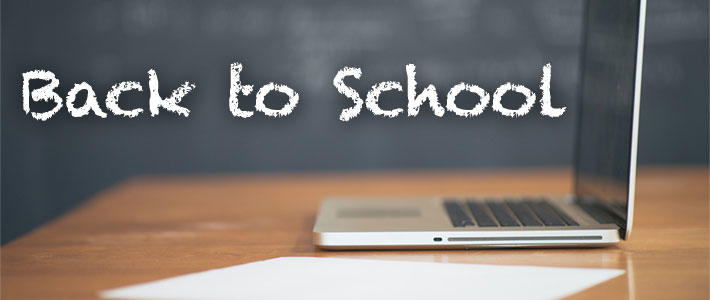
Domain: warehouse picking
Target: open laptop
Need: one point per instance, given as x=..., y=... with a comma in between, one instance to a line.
x=600, y=212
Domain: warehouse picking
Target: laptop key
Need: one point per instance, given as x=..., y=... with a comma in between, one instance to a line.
x=501, y=214
x=545, y=213
x=567, y=219
x=597, y=213
x=523, y=213
x=478, y=211
x=457, y=215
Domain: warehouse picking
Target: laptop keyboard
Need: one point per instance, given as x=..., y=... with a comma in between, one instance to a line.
x=599, y=214
x=525, y=213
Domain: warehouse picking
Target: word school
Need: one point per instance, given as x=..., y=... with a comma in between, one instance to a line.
x=237, y=89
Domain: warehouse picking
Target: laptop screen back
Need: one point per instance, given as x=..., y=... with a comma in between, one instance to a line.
x=605, y=159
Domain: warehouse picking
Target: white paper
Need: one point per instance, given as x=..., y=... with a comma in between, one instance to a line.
x=344, y=278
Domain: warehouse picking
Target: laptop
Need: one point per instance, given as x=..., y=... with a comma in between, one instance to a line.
x=598, y=213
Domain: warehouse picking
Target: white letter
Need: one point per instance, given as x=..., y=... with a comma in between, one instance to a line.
x=476, y=110
x=414, y=101
x=235, y=88
x=523, y=110
x=91, y=103
x=374, y=95
x=169, y=103
x=112, y=98
x=547, y=109
x=44, y=93
x=286, y=110
x=350, y=112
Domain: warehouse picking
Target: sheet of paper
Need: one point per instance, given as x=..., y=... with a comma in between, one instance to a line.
x=343, y=278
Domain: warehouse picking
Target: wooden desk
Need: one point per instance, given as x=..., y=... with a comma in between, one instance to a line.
x=151, y=228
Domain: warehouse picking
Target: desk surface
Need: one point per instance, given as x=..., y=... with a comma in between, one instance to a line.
x=151, y=228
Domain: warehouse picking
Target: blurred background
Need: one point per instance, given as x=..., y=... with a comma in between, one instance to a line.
x=50, y=167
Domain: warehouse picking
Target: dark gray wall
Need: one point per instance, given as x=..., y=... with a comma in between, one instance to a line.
x=49, y=167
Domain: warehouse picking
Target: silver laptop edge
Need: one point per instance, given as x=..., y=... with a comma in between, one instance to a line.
x=363, y=228
x=635, y=124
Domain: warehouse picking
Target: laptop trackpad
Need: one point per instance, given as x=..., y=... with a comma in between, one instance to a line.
x=379, y=212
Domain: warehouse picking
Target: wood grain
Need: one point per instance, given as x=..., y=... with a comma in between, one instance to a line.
x=156, y=227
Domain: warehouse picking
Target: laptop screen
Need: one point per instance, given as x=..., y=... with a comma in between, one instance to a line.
x=604, y=139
